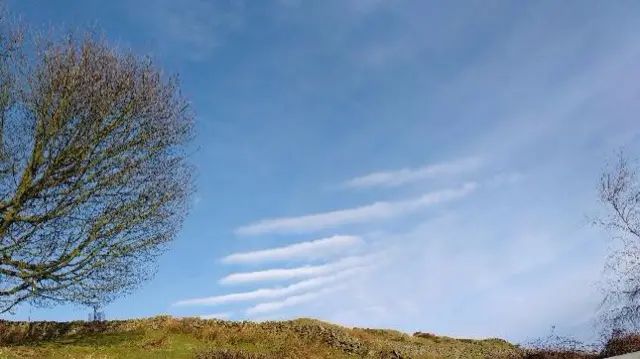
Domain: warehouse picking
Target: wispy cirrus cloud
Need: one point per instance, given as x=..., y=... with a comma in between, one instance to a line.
x=371, y=212
x=293, y=300
x=317, y=248
x=297, y=272
x=409, y=175
x=266, y=293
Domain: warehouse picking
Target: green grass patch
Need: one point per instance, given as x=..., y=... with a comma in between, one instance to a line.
x=167, y=337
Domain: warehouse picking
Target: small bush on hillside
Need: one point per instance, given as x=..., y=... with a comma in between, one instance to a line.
x=559, y=347
x=558, y=354
x=426, y=336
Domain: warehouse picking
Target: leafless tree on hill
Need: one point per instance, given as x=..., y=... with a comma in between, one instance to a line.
x=94, y=177
x=620, y=193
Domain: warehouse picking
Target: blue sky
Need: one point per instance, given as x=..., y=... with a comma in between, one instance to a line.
x=417, y=165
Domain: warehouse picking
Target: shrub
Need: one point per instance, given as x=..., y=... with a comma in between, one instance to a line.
x=559, y=347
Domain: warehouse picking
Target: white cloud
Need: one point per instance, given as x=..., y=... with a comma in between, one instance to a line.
x=453, y=266
x=298, y=272
x=292, y=301
x=311, y=249
x=565, y=297
x=222, y=315
x=408, y=175
x=503, y=267
x=375, y=211
x=276, y=292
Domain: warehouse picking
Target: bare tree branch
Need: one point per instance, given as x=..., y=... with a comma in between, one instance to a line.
x=620, y=193
x=94, y=180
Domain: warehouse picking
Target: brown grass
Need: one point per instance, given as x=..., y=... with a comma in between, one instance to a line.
x=189, y=338
x=169, y=337
x=622, y=344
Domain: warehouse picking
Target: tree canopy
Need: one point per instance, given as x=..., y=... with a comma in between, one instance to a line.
x=94, y=172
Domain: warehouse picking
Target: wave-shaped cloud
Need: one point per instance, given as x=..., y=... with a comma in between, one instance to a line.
x=265, y=293
x=409, y=175
x=371, y=212
x=311, y=249
x=297, y=272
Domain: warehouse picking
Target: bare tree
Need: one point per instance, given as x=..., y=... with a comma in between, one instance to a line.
x=620, y=193
x=94, y=177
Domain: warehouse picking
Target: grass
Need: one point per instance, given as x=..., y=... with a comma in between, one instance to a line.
x=193, y=338
x=167, y=337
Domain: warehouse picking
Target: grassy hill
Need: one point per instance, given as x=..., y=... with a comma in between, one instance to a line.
x=193, y=338
x=167, y=337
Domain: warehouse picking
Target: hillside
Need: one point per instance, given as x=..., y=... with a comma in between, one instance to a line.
x=167, y=337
